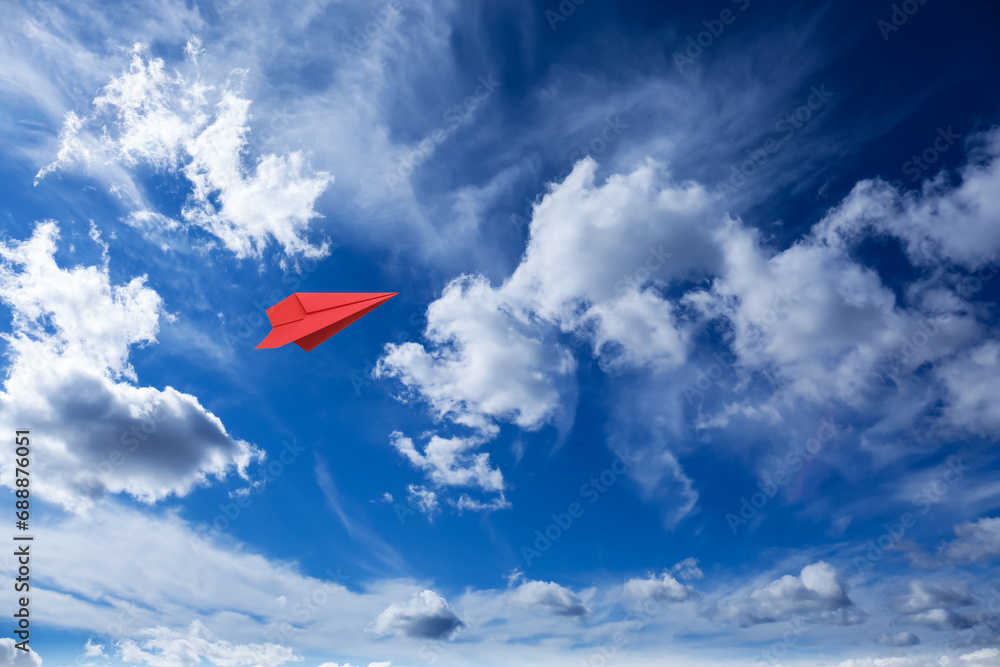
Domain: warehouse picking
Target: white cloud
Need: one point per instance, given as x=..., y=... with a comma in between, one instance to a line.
x=467, y=503
x=69, y=376
x=925, y=595
x=547, y=595
x=951, y=223
x=92, y=650
x=662, y=588
x=163, y=647
x=901, y=661
x=275, y=201
x=426, y=616
x=986, y=657
x=687, y=569
x=489, y=364
x=15, y=657
x=149, y=116
x=72, y=147
x=637, y=328
x=423, y=499
x=244, y=598
x=448, y=461
x=658, y=473
x=810, y=315
x=970, y=380
x=234, y=592
x=810, y=319
x=151, y=108
x=597, y=250
x=937, y=605
x=975, y=541
x=490, y=361
x=819, y=593
x=940, y=619
x=595, y=253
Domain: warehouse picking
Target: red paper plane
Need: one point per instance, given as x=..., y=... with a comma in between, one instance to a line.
x=309, y=318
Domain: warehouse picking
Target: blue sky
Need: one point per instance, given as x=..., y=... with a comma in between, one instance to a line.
x=692, y=360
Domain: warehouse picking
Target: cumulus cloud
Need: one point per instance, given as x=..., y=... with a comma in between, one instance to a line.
x=950, y=223
x=188, y=647
x=595, y=256
x=600, y=250
x=15, y=657
x=942, y=227
x=489, y=361
x=819, y=594
x=814, y=321
x=975, y=541
x=69, y=375
x=836, y=323
x=687, y=569
x=489, y=364
x=370, y=664
x=546, y=595
x=969, y=380
x=186, y=127
x=92, y=650
x=426, y=616
x=449, y=461
x=665, y=588
x=811, y=318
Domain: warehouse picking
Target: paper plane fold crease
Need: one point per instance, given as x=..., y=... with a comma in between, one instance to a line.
x=309, y=318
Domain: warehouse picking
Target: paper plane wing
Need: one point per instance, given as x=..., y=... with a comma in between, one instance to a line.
x=309, y=318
